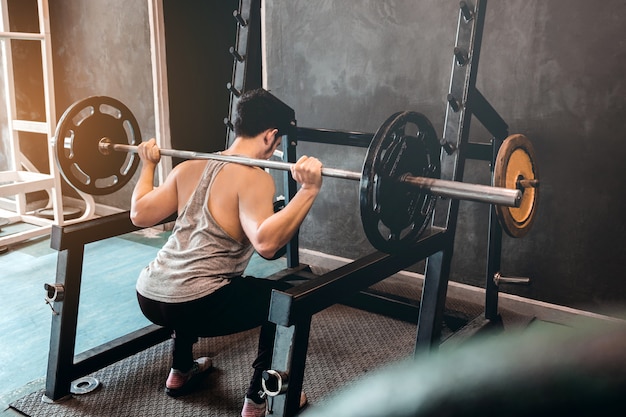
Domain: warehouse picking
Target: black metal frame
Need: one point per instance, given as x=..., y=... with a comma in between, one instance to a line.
x=247, y=65
x=464, y=100
x=292, y=310
x=63, y=366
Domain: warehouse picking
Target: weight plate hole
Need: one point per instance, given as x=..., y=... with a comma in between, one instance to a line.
x=68, y=144
x=395, y=235
x=110, y=110
x=80, y=175
x=130, y=133
x=128, y=164
x=83, y=115
x=411, y=129
x=106, y=182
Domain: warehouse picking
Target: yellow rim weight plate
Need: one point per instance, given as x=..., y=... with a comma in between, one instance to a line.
x=515, y=161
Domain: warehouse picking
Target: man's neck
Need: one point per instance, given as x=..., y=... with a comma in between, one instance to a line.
x=242, y=146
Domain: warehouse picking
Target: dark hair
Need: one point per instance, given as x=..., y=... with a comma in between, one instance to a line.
x=258, y=110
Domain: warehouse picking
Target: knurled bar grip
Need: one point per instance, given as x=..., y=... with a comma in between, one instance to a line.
x=442, y=188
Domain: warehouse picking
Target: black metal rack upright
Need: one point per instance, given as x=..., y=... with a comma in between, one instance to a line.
x=248, y=75
x=464, y=100
x=292, y=310
x=247, y=57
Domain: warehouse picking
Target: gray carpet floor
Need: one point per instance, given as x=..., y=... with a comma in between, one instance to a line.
x=345, y=344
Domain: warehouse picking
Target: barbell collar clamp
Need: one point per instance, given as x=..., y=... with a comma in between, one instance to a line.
x=105, y=145
x=527, y=183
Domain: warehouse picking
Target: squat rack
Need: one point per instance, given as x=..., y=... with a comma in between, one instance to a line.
x=292, y=310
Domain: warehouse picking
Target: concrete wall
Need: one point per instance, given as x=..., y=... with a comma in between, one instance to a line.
x=99, y=48
x=103, y=48
x=552, y=69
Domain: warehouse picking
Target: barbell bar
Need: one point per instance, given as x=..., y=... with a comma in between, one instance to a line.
x=106, y=145
x=96, y=151
x=438, y=187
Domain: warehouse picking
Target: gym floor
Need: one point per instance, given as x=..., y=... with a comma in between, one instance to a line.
x=108, y=306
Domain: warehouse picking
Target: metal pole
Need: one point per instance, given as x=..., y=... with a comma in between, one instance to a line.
x=263, y=163
x=464, y=191
x=443, y=188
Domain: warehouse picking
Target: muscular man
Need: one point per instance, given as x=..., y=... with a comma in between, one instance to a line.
x=225, y=212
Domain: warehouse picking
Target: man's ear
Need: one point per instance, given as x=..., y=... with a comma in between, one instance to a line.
x=270, y=136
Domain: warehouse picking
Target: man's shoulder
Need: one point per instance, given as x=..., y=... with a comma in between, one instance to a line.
x=247, y=170
x=193, y=167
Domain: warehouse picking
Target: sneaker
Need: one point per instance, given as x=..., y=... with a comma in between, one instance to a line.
x=180, y=383
x=304, y=401
x=252, y=409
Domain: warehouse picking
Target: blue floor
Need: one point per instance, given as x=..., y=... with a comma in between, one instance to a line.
x=108, y=306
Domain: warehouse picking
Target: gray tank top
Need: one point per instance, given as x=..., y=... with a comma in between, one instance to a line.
x=199, y=257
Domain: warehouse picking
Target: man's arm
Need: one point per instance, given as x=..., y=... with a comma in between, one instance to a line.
x=269, y=231
x=149, y=204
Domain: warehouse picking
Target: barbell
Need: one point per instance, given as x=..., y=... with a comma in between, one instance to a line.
x=96, y=151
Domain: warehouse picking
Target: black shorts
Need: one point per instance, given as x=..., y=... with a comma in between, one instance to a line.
x=241, y=305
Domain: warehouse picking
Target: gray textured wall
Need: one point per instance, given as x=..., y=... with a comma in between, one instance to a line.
x=553, y=70
x=103, y=48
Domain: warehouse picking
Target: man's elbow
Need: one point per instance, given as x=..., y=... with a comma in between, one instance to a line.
x=138, y=220
x=267, y=250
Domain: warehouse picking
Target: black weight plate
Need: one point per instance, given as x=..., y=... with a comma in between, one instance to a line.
x=394, y=214
x=77, y=140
